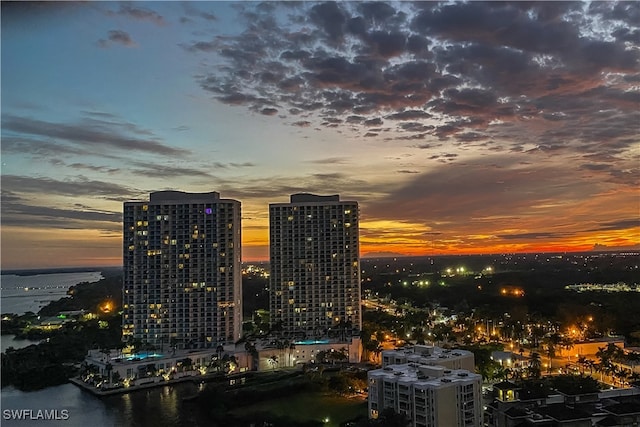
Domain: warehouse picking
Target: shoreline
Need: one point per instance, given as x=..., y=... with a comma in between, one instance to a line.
x=151, y=384
x=26, y=272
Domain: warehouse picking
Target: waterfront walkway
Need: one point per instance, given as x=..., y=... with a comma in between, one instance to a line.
x=153, y=382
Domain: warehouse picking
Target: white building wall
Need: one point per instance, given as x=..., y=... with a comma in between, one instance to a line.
x=432, y=396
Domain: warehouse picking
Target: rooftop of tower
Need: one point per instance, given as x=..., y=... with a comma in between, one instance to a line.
x=158, y=196
x=308, y=197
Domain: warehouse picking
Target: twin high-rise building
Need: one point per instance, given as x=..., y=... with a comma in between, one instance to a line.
x=182, y=268
x=315, y=266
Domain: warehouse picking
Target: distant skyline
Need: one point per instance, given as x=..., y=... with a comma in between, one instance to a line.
x=460, y=128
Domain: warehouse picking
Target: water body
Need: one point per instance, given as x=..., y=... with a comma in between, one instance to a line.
x=162, y=407
x=7, y=341
x=30, y=293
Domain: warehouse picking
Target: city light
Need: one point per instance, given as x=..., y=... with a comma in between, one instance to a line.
x=106, y=306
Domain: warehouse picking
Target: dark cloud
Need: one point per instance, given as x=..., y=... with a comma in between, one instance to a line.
x=119, y=37
x=270, y=189
x=623, y=224
x=138, y=13
x=84, y=166
x=595, y=166
x=408, y=115
x=503, y=61
x=77, y=187
x=415, y=127
x=378, y=12
x=167, y=171
x=331, y=18
x=487, y=188
x=98, y=134
x=373, y=122
x=42, y=148
x=532, y=236
x=330, y=161
x=191, y=10
x=16, y=211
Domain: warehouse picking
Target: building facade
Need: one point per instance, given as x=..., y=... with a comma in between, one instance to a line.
x=432, y=386
x=428, y=395
x=315, y=266
x=182, y=270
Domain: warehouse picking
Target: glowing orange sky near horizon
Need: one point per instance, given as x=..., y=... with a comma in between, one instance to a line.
x=101, y=251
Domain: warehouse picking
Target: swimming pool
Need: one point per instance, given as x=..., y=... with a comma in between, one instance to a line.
x=311, y=342
x=142, y=356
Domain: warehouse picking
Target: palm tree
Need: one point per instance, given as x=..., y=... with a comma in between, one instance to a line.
x=535, y=364
x=621, y=374
x=251, y=349
x=273, y=361
x=281, y=345
x=219, y=351
x=582, y=362
x=552, y=342
x=536, y=333
x=376, y=348
x=108, y=368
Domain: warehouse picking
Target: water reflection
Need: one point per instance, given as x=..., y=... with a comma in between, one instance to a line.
x=162, y=407
x=83, y=409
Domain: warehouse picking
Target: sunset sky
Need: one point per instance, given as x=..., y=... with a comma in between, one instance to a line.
x=458, y=127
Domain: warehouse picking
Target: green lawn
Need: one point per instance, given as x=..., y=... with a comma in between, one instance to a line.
x=311, y=406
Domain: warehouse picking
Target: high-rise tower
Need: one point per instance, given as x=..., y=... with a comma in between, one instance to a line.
x=182, y=272
x=315, y=266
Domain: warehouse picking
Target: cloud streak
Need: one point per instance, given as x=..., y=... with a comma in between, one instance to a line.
x=117, y=37
x=98, y=134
